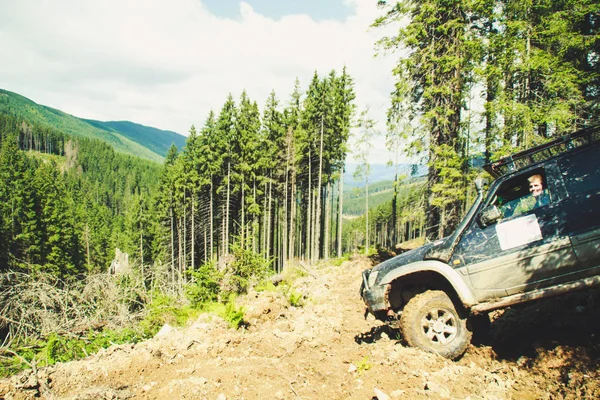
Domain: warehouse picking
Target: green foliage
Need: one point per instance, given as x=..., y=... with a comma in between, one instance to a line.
x=157, y=140
x=204, y=286
x=536, y=62
x=59, y=348
x=338, y=261
x=363, y=365
x=234, y=315
x=295, y=298
x=70, y=202
x=247, y=268
x=124, y=137
x=266, y=285
x=227, y=310
x=166, y=310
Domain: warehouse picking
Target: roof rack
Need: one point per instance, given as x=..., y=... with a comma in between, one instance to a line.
x=543, y=152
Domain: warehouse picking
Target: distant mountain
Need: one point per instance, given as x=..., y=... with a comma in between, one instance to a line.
x=379, y=173
x=125, y=137
x=155, y=139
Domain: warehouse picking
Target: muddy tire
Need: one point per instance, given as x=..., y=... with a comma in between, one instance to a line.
x=431, y=322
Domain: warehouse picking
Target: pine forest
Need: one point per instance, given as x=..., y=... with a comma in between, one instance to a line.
x=259, y=187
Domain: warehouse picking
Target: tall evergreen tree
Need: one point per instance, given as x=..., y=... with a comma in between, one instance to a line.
x=438, y=71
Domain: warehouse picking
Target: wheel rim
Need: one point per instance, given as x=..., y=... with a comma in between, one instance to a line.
x=439, y=326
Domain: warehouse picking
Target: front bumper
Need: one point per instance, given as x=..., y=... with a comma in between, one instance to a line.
x=372, y=296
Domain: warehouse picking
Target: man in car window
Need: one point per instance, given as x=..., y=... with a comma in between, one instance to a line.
x=537, y=197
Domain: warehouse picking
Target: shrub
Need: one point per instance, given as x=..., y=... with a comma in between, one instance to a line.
x=234, y=315
x=247, y=268
x=231, y=313
x=296, y=299
x=205, y=285
x=166, y=310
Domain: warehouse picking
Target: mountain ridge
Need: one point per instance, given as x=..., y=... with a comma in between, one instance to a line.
x=124, y=136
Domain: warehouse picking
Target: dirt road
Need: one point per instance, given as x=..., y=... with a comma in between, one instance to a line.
x=327, y=350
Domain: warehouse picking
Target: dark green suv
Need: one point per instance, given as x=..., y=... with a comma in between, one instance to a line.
x=534, y=233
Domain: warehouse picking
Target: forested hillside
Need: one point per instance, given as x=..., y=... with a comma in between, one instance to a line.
x=250, y=190
x=67, y=202
x=157, y=140
x=125, y=137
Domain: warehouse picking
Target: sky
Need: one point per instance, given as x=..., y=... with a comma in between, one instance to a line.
x=166, y=64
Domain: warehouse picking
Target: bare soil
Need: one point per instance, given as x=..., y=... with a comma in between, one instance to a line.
x=328, y=350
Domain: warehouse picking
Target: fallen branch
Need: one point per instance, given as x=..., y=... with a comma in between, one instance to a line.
x=308, y=270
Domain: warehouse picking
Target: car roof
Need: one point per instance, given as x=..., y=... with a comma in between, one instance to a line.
x=552, y=149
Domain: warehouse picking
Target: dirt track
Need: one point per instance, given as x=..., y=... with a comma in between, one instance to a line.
x=327, y=350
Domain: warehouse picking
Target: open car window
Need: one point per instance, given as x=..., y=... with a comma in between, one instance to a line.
x=513, y=197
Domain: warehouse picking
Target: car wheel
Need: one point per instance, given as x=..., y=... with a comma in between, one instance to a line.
x=430, y=322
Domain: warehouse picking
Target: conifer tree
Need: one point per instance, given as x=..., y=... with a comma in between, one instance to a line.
x=438, y=70
x=273, y=159
x=364, y=143
x=225, y=147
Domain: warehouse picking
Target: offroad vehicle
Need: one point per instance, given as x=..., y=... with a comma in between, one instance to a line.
x=498, y=257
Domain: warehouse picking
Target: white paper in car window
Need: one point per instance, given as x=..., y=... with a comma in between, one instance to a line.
x=518, y=232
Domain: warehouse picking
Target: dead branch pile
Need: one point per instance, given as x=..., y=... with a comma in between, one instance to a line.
x=34, y=306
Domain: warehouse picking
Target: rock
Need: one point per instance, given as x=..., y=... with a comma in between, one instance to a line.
x=381, y=394
x=352, y=368
x=437, y=388
x=197, y=380
x=165, y=331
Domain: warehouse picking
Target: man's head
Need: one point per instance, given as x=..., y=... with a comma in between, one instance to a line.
x=535, y=184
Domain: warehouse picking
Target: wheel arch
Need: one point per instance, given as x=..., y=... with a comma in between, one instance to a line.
x=404, y=283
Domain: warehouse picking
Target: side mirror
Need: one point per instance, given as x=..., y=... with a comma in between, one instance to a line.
x=489, y=215
x=479, y=183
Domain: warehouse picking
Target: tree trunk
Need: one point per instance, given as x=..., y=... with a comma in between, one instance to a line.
x=292, y=228
x=205, y=244
x=193, y=232
x=264, y=224
x=172, y=244
x=284, y=223
x=226, y=244
x=309, y=236
x=212, y=230
x=327, y=221
x=243, y=205
x=367, y=242
x=269, y=211
x=319, y=197
x=340, y=212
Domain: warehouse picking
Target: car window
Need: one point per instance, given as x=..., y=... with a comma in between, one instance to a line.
x=581, y=172
x=523, y=193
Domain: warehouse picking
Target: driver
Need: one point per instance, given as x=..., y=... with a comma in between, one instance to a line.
x=538, y=196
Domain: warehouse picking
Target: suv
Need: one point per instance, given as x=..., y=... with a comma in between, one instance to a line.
x=502, y=253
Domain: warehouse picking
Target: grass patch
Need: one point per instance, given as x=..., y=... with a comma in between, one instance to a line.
x=295, y=298
x=59, y=348
x=166, y=310
x=229, y=311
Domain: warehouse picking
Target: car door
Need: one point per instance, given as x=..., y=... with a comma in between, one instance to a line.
x=581, y=176
x=519, y=252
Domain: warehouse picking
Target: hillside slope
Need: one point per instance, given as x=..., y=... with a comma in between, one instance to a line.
x=157, y=140
x=327, y=350
x=125, y=137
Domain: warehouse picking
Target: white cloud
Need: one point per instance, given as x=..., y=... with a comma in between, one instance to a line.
x=166, y=64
